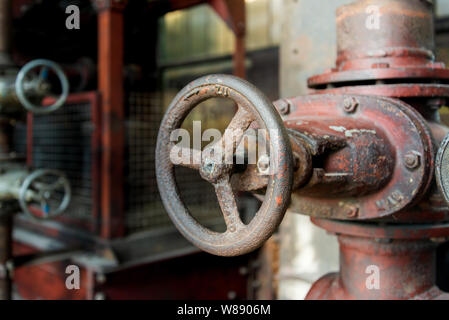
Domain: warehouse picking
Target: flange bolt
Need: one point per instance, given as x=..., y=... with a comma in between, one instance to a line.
x=412, y=160
x=283, y=107
x=350, y=104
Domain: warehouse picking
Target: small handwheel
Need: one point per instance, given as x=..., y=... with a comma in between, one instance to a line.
x=214, y=166
x=45, y=194
x=45, y=66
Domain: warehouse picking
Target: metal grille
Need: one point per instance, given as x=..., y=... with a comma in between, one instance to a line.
x=144, y=207
x=19, y=139
x=62, y=141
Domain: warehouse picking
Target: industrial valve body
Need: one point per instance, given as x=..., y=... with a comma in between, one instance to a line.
x=363, y=150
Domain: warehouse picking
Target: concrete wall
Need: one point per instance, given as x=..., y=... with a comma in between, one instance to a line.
x=308, y=47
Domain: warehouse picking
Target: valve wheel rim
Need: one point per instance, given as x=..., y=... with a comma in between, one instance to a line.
x=20, y=82
x=442, y=168
x=253, y=106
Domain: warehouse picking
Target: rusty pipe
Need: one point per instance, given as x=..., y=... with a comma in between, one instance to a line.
x=381, y=269
x=387, y=31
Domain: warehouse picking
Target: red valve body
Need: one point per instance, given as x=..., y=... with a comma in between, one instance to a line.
x=372, y=128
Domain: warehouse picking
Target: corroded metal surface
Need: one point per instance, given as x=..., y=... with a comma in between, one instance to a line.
x=252, y=106
x=363, y=166
x=386, y=231
x=385, y=48
x=406, y=270
x=252, y=180
x=384, y=40
x=404, y=90
x=395, y=60
x=404, y=29
x=431, y=72
x=442, y=168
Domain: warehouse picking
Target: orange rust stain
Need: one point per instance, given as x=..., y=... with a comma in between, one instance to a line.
x=279, y=200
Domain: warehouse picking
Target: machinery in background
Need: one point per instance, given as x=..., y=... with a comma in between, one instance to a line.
x=358, y=155
x=27, y=88
x=115, y=228
x=41, y=194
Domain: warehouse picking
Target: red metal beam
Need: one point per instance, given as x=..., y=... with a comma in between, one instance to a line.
x=233, y=13
x=110, y=85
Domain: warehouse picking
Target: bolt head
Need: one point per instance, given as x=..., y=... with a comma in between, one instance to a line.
x=350, y=104
x=209, y=166
x=283, y=107
x=263, y=164
x=412, y=160
x=352, y=212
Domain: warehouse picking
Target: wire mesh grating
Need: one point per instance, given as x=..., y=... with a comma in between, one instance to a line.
x=144, y=207
x=62, y=141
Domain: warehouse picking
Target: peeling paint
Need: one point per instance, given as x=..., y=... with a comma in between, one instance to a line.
x=338, y=129
x=349, y=133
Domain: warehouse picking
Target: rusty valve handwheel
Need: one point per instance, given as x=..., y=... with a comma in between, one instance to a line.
x=442, y=168
x=239, y=238
x=36, y=189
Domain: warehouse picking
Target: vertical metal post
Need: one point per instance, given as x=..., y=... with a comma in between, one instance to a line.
x=239, y=57
x=233, y=13
x=5, y=32
x=110, y=86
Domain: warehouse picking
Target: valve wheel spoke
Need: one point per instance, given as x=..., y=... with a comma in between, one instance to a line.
x=191, y=158
x=228, y=205
x=55, y=185
x=234, y=133
x=43, y=73
x=48, y=186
